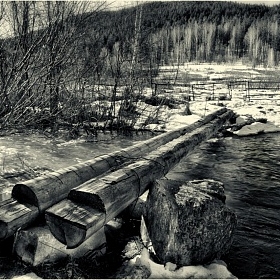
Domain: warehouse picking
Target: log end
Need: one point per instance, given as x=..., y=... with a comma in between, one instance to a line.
x=70, y=235
x=24, y=194
x=72, y=223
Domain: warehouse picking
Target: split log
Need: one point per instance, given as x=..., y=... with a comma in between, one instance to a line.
x=51, y=188
x=97, y=201
x=45, y=191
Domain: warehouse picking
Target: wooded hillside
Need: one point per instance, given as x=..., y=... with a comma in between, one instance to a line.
x=66, y=63
x=178, y=32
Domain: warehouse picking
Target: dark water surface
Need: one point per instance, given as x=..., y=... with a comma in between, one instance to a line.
x=249, y=167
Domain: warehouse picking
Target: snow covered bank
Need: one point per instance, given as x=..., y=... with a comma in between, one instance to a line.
x=175, y=118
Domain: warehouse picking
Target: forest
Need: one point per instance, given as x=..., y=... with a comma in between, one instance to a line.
x=80, y=64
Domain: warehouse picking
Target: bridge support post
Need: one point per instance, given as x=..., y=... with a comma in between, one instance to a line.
x=37, y=246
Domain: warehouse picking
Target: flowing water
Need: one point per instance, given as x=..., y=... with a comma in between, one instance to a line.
x=25, y=156
x=248, y=166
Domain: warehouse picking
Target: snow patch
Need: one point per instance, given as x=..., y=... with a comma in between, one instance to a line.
x=257, y=128
x=215, y=270
x=27, y=276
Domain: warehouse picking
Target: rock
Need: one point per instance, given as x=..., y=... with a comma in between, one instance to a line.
x=257, y=128
x=133, y=270
x=189, y=223
x=133, y=248
x=170, y=266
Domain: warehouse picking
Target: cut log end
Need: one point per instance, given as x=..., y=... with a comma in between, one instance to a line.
x=64, y=221
x=70, y=235
x=23, y=194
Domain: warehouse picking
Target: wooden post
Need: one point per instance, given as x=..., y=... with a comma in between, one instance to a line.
x=47, y=190
x=193, y=93
x=248, y=91
x=99, y=200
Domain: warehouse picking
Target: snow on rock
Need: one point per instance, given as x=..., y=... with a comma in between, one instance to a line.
x=149, y=269
x=241, y=119
x=27, y=276
x=257, y=128
x=269, y=111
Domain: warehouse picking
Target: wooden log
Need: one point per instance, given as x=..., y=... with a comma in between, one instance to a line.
x=99, y=200
x=51, y=188
x=44, y=191
x=77, y=231
x=14, y=215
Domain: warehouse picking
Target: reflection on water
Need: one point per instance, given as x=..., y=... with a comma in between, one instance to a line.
x=249, y=168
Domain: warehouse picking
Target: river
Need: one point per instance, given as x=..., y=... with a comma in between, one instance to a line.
x=24, y=156
x=248, y=167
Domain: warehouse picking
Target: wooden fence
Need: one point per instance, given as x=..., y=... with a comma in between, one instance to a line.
x=223, y=90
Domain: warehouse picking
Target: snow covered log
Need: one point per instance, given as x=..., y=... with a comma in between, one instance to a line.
x=196, y=226
x=97, y=201
x=46, y=190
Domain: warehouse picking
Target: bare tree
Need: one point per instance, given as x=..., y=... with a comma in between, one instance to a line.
x=39, y=61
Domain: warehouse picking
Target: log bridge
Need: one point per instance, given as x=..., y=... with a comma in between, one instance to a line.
x=78, y=201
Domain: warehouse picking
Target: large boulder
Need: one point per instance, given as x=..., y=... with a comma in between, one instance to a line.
x=188, y=223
